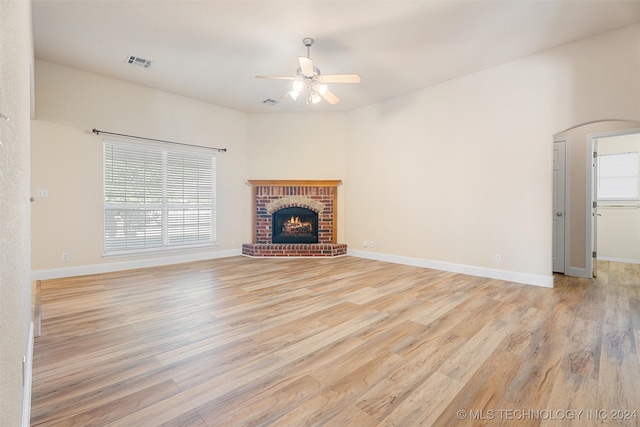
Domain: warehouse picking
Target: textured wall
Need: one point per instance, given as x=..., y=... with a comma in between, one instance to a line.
x=15, y=286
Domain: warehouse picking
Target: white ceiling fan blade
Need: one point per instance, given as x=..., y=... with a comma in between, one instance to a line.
x=306, y=66
x=339, y=78
x=330, y=97
x=276, y=77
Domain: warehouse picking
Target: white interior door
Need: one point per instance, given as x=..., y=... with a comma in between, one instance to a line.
x=558, y=212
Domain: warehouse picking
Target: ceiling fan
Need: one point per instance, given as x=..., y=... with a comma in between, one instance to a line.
x=311, y=82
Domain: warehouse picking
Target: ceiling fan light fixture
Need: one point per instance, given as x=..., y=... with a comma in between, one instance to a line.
x=321, y=88
x=294, y=94
x=309, y=80
x=297, y=85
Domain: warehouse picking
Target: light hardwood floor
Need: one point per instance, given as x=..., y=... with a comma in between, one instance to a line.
x=339, y=342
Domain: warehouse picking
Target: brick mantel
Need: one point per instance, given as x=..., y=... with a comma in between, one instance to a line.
x=272, y=195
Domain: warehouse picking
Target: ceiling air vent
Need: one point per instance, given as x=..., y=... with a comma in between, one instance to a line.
x=270, y=101
x=140, y=62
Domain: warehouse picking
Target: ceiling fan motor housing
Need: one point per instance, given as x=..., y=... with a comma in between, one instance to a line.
x=316, y=73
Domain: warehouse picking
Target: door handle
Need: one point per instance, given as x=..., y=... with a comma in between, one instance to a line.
x=559, y=213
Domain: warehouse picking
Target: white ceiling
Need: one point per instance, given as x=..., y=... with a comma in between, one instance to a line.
x=211, y=50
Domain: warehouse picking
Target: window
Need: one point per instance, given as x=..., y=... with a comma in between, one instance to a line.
x=618, y=176
x=157, y=197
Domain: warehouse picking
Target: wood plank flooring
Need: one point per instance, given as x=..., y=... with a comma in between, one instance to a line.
x=337, y=342
x=36, y=307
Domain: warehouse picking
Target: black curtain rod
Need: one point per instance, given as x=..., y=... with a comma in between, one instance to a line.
x=98, y=132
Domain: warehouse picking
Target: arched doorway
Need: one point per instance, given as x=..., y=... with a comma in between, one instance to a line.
x=577, y=238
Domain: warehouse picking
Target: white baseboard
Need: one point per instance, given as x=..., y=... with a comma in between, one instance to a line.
x=490, y=273
x=109, y=267
x=625, y=260
x=511, y=276
x=28, y=375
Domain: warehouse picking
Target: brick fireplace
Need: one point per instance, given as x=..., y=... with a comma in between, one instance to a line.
x=272, y=196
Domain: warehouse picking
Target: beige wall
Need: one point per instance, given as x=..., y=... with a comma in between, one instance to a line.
x=461, y=171
x=455, y=173
x=66, y=156
x=15, y=286
x=67, y=161
x=299, y=147
x=619, y=228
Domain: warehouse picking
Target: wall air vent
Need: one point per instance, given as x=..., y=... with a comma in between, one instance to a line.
x=270, y=101
x=140, y=62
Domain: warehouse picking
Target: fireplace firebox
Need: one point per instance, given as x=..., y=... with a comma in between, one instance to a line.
x=294, y=225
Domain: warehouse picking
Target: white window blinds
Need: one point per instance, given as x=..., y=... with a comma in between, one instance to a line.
x=155, y=197
x=618, y=176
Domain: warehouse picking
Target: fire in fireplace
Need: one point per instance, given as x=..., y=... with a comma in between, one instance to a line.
x=294, y=225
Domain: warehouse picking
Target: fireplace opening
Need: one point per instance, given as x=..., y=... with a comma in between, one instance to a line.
x=294, y=225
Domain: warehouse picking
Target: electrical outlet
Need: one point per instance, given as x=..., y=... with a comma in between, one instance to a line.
x=233, y=241
x=372, y=244
x=364, y=243
x=498, y=258
x=42, y=192
x=65, y=256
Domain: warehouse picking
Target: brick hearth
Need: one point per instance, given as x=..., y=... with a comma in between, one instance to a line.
x=270, y=196
x=294, y=249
